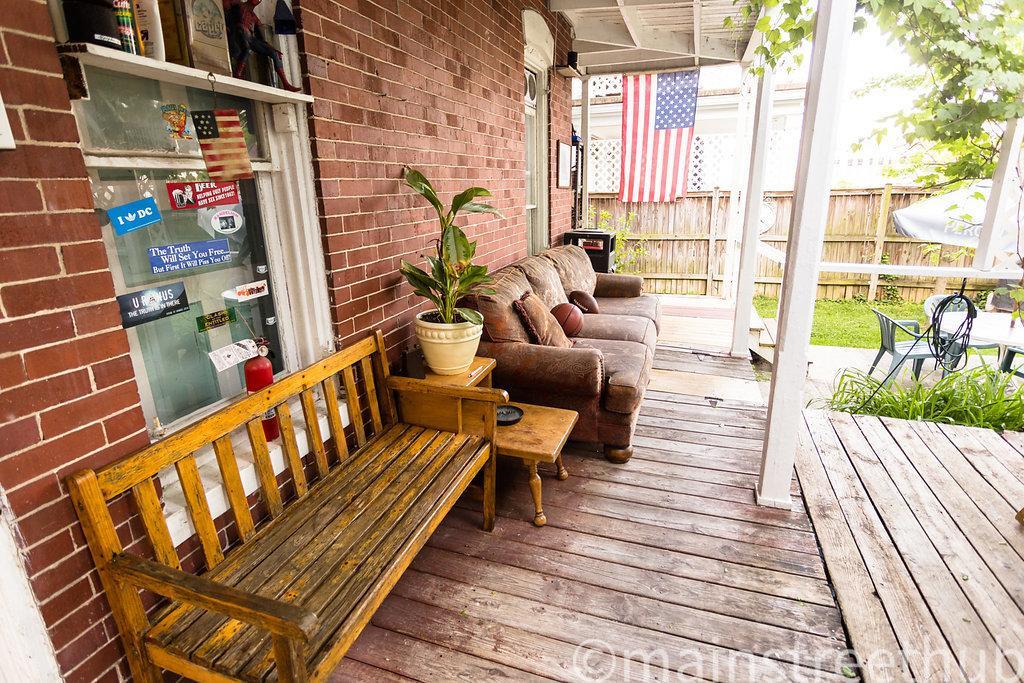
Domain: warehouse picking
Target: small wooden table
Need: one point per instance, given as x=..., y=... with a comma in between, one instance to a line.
x=538, y=437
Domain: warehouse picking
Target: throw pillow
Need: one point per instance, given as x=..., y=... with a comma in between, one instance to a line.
x=586, y=302
x=540, y=325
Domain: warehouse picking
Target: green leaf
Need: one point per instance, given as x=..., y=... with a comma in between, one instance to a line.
x=419, y=182
x=470, y=315
x=477, y=207
x=467, y=196
x=848, y=672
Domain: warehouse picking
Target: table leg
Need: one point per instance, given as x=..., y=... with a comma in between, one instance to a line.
x=538, y=519
x=563, y=473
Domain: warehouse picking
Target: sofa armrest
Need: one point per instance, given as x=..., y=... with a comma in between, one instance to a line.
x=616, y=285
x=576, y=370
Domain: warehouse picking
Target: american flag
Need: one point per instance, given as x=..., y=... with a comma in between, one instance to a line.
x=657, y=130
x=220, y=137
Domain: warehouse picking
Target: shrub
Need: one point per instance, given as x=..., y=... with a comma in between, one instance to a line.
x=978, y=397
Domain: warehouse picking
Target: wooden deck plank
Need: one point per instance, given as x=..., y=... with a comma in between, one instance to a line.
x=972, y=444
x=949, y=571
x=922, y=640
x=871, y=634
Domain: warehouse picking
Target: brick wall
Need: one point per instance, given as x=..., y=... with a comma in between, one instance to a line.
x=67, y=391
x=436, y=85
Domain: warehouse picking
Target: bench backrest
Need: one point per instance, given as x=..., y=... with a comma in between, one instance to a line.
x=363, y=372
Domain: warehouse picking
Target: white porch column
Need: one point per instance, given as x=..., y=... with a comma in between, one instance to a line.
x=585, y=154
x=832, y=33
x=753, y=199
x=737, y=195
x=1000, y=197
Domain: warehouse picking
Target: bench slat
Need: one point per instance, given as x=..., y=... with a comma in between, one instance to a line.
x=355, y=412
x=379, y=360
x=331, y=552
x=232, y=480
x=152, y=514
x=330, y=390
x=120, y=476
x=199, y=510
x=275, y=543
x=264, y=469
x=291, y=449
x=315, y=438
x=371, y=394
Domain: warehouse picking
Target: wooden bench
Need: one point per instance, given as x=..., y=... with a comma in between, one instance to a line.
x=288, y=597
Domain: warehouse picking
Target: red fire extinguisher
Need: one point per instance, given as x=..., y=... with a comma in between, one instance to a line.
x=259, y=374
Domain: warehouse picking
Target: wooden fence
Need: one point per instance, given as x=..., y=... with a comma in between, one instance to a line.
x=685, y=243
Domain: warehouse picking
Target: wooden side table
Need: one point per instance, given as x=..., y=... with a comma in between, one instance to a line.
x=538, y=437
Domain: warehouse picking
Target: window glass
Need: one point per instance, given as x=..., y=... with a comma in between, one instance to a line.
x=170, y=353
x=124, y=113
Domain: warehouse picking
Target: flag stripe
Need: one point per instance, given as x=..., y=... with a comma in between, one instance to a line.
x=657, y=135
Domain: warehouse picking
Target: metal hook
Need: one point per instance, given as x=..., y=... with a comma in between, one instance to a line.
x=210, y=76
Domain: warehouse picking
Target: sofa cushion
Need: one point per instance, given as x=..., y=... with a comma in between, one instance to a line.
x=501, y=323
x=627, y=369
x=543, y=279
x=646, y=305
x=574, y=268
x=540, y=324
x=633, y=328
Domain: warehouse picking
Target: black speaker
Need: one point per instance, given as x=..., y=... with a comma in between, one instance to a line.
x=92, y=21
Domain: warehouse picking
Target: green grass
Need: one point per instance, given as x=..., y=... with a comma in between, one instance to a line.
x=979, y=397
x=847, y=323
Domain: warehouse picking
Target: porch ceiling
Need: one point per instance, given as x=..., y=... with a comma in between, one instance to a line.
x=629, y=36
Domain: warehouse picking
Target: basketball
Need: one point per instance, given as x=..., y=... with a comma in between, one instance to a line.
x=570, y=317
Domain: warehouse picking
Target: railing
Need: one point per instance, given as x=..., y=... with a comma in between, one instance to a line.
x=686, y=249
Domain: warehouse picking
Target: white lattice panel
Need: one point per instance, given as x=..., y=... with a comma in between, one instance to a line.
x=603, y=166
x=600, y=86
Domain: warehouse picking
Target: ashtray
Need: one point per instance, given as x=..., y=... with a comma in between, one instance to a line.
x=509, y=415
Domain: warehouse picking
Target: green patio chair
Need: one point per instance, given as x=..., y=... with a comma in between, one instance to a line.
x=915, y=349
x=1006, y=363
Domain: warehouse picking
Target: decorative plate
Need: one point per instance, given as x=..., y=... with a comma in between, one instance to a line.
x=509, y=415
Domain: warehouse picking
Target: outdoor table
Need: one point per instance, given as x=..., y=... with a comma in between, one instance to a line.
x=989, y=327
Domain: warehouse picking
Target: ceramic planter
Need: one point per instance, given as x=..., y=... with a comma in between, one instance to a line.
x=449, y=349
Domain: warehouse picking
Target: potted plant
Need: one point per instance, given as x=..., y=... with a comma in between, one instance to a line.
x=449, y=335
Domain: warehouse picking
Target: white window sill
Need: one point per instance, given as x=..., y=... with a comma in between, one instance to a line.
x=178, y=522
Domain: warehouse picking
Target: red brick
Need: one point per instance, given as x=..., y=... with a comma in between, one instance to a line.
x=29, y=160
x=12, y=372
x=85, y=410
x=50, y=126
x=43, y=228
x=28, y=264
x=20, y=196
x=47, y=521
x=29, y=17
x=89, y=319
x=34, y=494
x=32, y=297
x=28, y=333
x=84, y=257
x=34, y=53
x=125, y=424
x=35, y=396
x=67, y=195
x=15, y=436
x=50, y=455
x=22, y=87
x=112, y=372
x=82, y=351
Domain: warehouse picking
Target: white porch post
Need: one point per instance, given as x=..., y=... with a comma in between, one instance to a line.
x=738, y=193
x=585, y=154
x=832, y=33
x=1000, y=196
x=753, y=198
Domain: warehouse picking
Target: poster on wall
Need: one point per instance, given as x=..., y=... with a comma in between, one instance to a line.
x=169, y=258
x=200, y=195
x=152, y=304
x=134, y=215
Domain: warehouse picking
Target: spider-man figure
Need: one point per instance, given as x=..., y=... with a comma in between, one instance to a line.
x=246, y=35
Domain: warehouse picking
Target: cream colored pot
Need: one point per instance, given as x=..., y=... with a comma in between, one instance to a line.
x=449, y=349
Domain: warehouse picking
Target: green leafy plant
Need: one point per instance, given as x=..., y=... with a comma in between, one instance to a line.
x=452, y=274
x=890, y=291
x=970, y=56
x=630, y=249
x=979, y=397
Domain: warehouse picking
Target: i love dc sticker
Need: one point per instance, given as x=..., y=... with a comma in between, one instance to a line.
x=134, y=215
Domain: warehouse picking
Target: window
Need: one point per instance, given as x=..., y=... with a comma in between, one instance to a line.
x=538, y=51
x=229, y=258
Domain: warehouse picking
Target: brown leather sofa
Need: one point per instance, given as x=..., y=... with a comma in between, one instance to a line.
x=604, y=375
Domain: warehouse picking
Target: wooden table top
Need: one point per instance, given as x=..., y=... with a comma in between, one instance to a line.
x=539, y=436
x=480, y=369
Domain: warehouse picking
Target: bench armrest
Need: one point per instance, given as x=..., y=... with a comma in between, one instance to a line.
x=277, y=617
x=419, y=386
x=541, y=369
x=617, y=285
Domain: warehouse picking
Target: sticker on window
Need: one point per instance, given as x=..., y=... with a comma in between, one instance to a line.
x=226, y=221
x=152, y=304
x=134, y=215
x=173, y=257
x=176, y=117
x=211, y=321
x=200, y=195
x=231, y=355
x=250, y=290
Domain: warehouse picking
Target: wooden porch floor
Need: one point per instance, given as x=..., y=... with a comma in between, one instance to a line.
x=660, y=569
x=916, y=522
